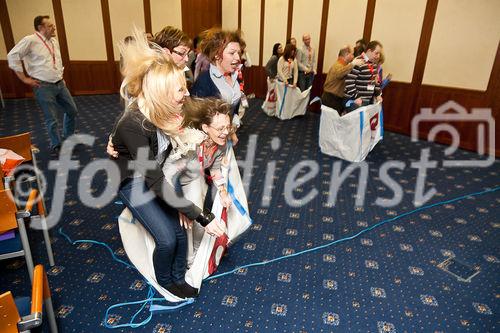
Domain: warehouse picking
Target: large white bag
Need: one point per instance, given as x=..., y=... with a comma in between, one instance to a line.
x=352, y=136
x=288, y=102
x=139, y=244
x=237, y=220
x=269, y=105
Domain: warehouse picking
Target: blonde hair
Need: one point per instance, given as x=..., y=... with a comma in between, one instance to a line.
x=149, y=77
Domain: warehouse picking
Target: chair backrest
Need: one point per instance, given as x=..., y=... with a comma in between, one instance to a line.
x=20, y=144
x=8, y=313
x=8, y=211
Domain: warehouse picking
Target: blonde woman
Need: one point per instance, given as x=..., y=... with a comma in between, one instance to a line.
x=154, y=89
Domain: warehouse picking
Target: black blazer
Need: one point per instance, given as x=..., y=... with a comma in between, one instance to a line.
x=134, y=131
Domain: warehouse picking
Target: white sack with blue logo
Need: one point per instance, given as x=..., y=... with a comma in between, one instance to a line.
x=352, y=136
x=211, y=249
x=139, y=244
x=285, y=102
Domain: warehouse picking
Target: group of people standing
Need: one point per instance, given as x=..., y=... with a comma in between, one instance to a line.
x=354, y=80
x=181, y=139
x=293, y=66
x=165, y=139
x=175, y=136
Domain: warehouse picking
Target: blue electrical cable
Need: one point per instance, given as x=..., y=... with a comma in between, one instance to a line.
x=353, y=236
x=151, y=292
x=149, y=300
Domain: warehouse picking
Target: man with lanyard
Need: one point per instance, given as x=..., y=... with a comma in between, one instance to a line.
x=42, y=60
x=306, y=59
x=362, y=86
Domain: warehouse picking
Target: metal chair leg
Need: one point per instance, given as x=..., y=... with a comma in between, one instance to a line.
x=26, y=247
x=46, y=237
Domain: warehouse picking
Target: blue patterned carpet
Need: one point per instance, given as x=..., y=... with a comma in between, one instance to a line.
x=385, y=280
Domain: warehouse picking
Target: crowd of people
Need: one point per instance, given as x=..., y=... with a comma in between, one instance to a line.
x=175, y=128
x=182, y=102
x=186, y=136
x=354, y=80
x=293, y=66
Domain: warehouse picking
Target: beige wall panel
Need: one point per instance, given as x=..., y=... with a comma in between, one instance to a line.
x=3, y=50
x=397, y=25
x=22, y=13
x=275, y=20
x=85, y=36
x=124, y=15
x=230, y=14
x=307, y=19
x=346, y=21
x=250, y=25
x=165, y=12
x=463, y=44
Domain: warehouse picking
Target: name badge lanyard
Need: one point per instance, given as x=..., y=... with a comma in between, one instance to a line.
x=370, y=67
x=201, y=159
x=51, y=51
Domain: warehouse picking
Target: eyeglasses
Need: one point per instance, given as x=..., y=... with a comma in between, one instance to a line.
x=221, y=129
x=181, y=54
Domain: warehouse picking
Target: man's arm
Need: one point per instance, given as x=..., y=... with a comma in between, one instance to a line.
x=14, y=58
x=350, y=83
x=300, y=58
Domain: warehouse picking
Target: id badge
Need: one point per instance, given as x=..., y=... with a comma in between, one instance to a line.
x=370, y=87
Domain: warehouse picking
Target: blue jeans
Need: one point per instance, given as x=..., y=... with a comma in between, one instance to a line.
x=162, y=222
x=305, y=80
x=54, y=97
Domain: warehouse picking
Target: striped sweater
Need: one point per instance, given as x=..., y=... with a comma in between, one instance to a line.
x=358, y=81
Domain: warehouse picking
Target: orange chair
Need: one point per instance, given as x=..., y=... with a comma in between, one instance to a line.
x=12, y=321
x=21, y=145
x=13, y=220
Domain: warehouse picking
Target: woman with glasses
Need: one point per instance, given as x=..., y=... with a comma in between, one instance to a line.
x=177, y=44
x=223, y=49
x=154, y=89
x=210, y=117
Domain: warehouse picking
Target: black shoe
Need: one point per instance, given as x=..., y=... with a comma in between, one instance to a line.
x=187, y=290
x=175, y=290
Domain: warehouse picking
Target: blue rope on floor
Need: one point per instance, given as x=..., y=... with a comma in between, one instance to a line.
x=151, y=292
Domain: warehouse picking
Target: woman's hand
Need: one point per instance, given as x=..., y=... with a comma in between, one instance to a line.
x=110, y=149
x=225, y=198
x=215, y=228
x=185, y=222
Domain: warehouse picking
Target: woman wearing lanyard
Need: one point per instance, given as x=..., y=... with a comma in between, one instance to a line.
x=154, y=89
x=223, y=49
x=209, y=118
x=288, y=70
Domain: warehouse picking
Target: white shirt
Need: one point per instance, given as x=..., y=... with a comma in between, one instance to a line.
x=38, y=59
x=230, y=93
x=306, y=58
